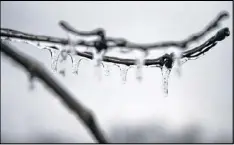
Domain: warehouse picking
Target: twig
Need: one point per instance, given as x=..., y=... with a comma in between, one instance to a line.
x=122, y=42
x=219, y=36
x=37, y=70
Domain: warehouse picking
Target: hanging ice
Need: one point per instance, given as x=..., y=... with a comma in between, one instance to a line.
x=97, y=57
x=75, y=65
x=97, y=62
x=177, y=61
x=62, y=62
x=165, y=75
x=123, y=73
x=33, y=43
x=54, y=57
x=140, y=61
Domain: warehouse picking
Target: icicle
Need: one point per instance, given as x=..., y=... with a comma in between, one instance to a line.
x=140, y=61
x=54, y=57
x=75, y=65
x=97, y=61
x=123, y=73
x=177, y=62
x=62, y=62
x=165, y=75
x=97, y=57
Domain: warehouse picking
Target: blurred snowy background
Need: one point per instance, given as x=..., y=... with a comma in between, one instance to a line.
x=199, y=104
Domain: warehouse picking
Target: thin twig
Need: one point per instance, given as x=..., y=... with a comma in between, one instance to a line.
x=37, y=70
x=122, y=42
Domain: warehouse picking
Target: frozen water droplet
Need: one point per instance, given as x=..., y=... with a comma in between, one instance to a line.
x=75, y=65
x=62, y=72
x=123, y=73
x=38, y=44
x=165, y=75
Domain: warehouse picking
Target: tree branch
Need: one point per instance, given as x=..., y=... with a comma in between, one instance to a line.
x=37, y=70
x=122, y=42
x=219, y=36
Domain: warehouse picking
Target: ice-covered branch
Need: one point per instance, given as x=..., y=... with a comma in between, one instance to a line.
x=219, y=36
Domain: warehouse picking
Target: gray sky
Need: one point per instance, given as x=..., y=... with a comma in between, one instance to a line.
x=202, y=95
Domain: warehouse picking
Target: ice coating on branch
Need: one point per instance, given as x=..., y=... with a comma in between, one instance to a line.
x=33, y=43
x=72, y=47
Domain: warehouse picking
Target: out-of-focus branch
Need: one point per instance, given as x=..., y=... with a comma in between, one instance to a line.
x=122, y=42
x=37, y=70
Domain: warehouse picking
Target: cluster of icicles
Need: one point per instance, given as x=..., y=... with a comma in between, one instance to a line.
x=61, y=55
